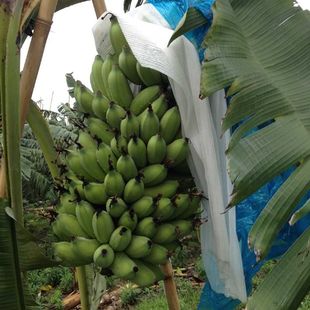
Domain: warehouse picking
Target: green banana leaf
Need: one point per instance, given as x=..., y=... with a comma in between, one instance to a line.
x=191, y=20
x=42, y=133
x=30, y=254
x=259, y=50
x=13, y=293
x=288, y=282
x=96, y=285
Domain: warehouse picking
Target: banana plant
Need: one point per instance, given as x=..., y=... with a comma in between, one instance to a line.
x=259, y=51
x=19, y=251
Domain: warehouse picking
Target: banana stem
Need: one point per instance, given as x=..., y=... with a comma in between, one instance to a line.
x=82, y=281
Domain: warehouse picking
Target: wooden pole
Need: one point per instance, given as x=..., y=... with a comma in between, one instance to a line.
x=32, y=64
x=99, y=6
x=170, y=287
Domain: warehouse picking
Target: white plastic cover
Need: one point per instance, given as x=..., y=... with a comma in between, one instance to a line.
x=148, y=34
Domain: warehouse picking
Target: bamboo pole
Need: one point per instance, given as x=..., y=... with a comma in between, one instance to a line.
x=170, y=287
x=99, y=6
x=35, y=54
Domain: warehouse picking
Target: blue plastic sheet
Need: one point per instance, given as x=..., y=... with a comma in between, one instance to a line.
x=246, y=214
x=248, y=210
x=173, y=11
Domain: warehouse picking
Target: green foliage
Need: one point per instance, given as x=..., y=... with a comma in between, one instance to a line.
x=248, y=54
x=187, y=253
x=130, y=294
x=49, y=285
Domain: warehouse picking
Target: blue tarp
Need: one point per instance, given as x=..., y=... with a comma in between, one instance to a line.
x=249, y=209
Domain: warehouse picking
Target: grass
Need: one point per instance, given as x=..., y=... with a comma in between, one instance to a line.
x=48, y=285
x=155, y=299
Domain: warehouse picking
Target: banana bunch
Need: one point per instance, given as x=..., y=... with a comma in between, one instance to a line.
x=125, y=208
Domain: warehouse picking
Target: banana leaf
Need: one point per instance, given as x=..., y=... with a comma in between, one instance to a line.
x=259, y=51
x=288, y=282
x=13, y=293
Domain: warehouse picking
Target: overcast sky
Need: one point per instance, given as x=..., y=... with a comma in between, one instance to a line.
x=71, y=48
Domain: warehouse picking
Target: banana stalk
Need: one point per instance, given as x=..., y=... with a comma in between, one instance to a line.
x=10, y=178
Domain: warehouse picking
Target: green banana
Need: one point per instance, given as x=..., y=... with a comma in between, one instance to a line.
x=170, y=124
x=137, y=150
x=84, y=215
x=144, y=98
x=119, y=88
x=123, y=267
x=144, y=276
x=127, y=62
x=164, y=209
x=103, y=226
x=156, y=149
x=183, y=227
x=74, y=162
x=96, y=75
x=66, y=204
x=84, y=249
x=100, y=105
x=154, y=174
x=77, y=187
x=86, y=140
x=64, y=251
x=103, y=155
x=134, y=189
x=177, y=152
x=165, y=233
x=159, y=255
x=95, y=193
x=156, y=270
x=93, y=84
x=139, y=247
x=147, y=227
x=114, y=183
x=181, y=203
x=100, y=129
x=129, y=126
x=193, y=207
x=166, y=189
x=120, y=238
x=118, y=145
x=104, y=256
x=116, y=206
x=160, y=105
x=114, y=115
x=105, y=71
x=149, y=125
x=68, y=226
x=128, y=219
x=59, y=231
x=84, y=98
x=143, y=207
x=90, y=164
x=149, y=76
x=116, y=36
x=126, y=167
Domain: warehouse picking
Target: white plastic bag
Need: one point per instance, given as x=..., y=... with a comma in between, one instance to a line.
x=148, y=33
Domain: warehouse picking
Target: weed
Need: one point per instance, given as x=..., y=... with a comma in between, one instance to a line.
x=129, y=294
